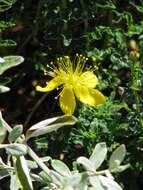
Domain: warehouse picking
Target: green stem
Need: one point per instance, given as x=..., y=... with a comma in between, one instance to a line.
x=34, y=156
x=31, y=153
x=134, y=78
x=33, y=110
x=85, y=16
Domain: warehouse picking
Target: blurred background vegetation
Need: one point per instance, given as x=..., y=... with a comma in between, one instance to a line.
x=110, y=33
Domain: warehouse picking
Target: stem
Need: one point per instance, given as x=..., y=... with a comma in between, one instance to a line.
x=35, y=28
x=135, y=66
x=33, y=110
x=85, y=16
x=31, y=153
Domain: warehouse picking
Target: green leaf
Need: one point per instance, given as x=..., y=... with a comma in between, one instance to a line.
x=66, y=41
x=83, y=185
x=14, y=182
x=86, y=163
x=121, y=168
x=3, y=132
x=60, y=167
x=109, y=184
x=49, y=125
x=3, y=173
x=10, y=61
x=15, y=133
x=5, y=80
x=4, y=89
x=7, y=43
x=15, y=149
x=116, y=158
x=23, y=173
x=32, y=164
x=56, y=177
x=6, y=4
x=139, y=8
x=95, y=182
x=98, y=155
x=46, y=178
x=45, y=158
x=75, y=179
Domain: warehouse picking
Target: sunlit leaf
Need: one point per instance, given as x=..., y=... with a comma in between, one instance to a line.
x=49, y=125
x=98, y=155
x=95, y=182
x=60, y=167
x=109, y=184
x=15, y=133
x=116, y=158
x=23, y=173
x=86, y=163
x=15, y=148
x=4, y=89
x=10, y=61
x=3, y=132
x=14, y=182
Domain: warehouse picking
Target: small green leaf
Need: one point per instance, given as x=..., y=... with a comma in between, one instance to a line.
x=83, y=185
x=15, y=149
x=95, y=182
x=15, y=133
x=5, y=80
x=116, y=158
x=121, y=168
x=7, y=43
x=14, y=182
x=23, y=173
x=109, y=184
x=49, y=125
x=6, y=4
x=3, y=173
x=75, y=179
x=56, y=177
x=4, y=89
x=60, y=167
x=3, y=132
x=98, y=155
x=46, y=178
x=66, y=41
x=10, y=61
x=86, y=163
x=45, y=158
x=32, y=164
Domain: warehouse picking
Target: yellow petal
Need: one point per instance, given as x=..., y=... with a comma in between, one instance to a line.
x=51, y=85
x=67, y=100
x=89, y=79
x=89, y=96
x=83, y=94
x=98, y=96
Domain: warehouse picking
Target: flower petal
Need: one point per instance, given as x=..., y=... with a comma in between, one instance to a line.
x=98, y=96
x=51, y=85
x=89, y=79
x=89, y=96
x=67, y=100
x=83, y=94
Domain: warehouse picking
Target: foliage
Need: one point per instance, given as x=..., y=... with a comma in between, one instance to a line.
x=110, y=34
x=60, y=176
x=6, y=63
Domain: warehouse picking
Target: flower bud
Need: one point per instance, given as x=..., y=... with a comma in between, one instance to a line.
x=133, y=45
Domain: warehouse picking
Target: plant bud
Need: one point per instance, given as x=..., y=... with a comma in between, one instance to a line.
x=133, y=45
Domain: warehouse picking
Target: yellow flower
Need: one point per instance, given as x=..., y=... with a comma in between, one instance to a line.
x=74, y=81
